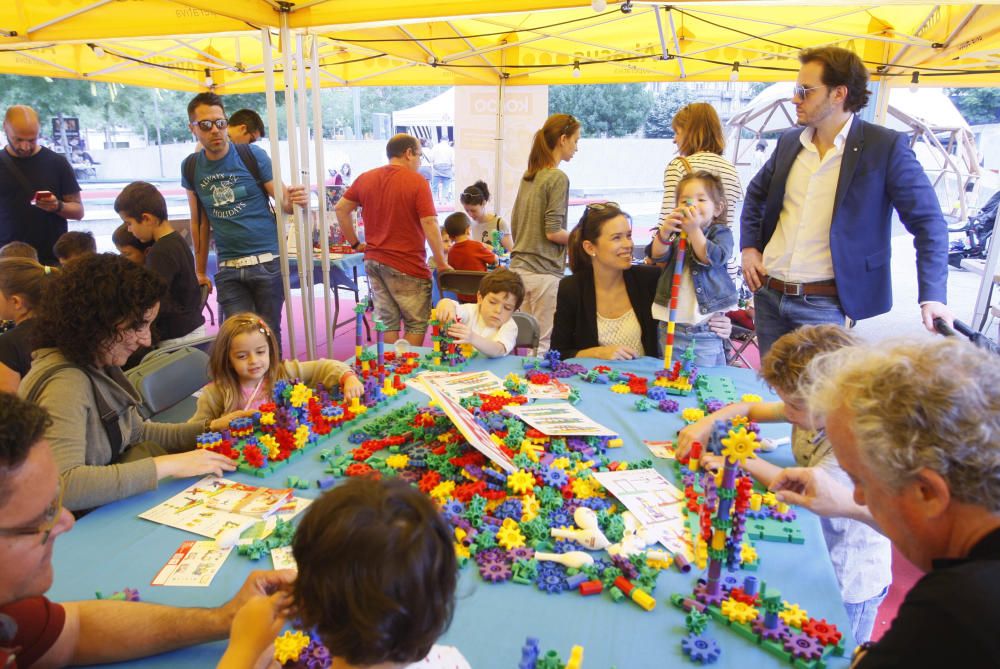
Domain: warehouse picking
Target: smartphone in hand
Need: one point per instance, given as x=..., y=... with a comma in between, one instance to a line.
x=42, y=195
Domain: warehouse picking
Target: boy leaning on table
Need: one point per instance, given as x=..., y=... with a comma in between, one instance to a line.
x=36, y=632
x=487, y=323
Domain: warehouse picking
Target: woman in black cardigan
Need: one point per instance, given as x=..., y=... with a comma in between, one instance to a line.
x=604, y=310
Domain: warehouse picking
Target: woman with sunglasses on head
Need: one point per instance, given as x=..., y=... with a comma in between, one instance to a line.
x=474, y=199
x=538, y=220
x=96, y=313
x=604, y=309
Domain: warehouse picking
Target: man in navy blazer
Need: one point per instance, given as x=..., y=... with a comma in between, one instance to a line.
x=816, y=226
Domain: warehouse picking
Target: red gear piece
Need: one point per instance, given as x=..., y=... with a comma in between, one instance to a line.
x=740, y=596
x=824, y=632
x=494, y=494
x=465, y=491
x=267, y=407
x=539, y=378
x=602, y=369
x=361, y=469
x=429, y=481
x=253, y=456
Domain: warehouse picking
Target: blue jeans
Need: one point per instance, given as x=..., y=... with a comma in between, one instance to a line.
x=708, y=350
x=256, y=288
x=862, y=616
x=778, y=314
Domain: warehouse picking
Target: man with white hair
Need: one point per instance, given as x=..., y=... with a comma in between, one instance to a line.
x=916, y=426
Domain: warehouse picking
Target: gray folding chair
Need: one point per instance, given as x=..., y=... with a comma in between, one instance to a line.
x=528, y=332
x=460, y=281
x=167, y=382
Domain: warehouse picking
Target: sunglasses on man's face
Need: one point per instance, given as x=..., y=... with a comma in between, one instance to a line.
x=208, y=124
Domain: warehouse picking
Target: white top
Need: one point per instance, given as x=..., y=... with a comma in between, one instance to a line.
x=442, y=154
x=710, y=162
x=483, y=231
x=622, y=331
x=442, y=657
x=861, y=557
x=688, y=311
x=799, y=250
x=506, y=334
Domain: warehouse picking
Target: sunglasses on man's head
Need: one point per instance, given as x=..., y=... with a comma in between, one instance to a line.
x=208, y=124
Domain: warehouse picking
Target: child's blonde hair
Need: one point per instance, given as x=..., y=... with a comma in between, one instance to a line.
x=713, y=184
x=223, y=374
x=784, y=366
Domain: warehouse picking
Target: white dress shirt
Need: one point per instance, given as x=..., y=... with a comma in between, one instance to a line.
x=799, y=249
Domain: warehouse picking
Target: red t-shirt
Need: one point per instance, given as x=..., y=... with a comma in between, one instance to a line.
x=28, y=629
x=393, y=200
x=472, y=256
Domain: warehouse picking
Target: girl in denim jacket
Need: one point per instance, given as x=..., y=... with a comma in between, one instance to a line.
x=706, y=290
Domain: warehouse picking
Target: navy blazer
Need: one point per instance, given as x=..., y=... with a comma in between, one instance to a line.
x=878, y=172
x=574, y=327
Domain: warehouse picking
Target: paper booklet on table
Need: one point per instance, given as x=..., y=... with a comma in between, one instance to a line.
x=190, y=510
x=250, y=500
x=457, y=385
x=195, y=564
x=654, y=501
x=559, y=419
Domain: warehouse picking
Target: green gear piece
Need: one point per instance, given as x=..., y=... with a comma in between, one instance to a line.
x=522, y=461
x=525, y=569
x=477, y=504
x=381, y=327
x=615, y=530
x=720, y=555
x=574, y=396
x=549, y=661
x=772, y=603
x=696, y=621
x=557, y=448
x=727, y=493
x=609, y=575
x=535, y=530
x=549, y=498
x=485, y=539
x=724, y=524
x=642, y=464
x=591, y=571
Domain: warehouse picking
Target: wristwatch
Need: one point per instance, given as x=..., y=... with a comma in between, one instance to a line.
x=60, y=207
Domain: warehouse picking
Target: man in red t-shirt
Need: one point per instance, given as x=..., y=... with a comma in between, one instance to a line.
x=466, y=254
x=34, y=630
x=400, y=219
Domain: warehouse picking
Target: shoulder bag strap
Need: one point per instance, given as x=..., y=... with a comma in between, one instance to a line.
x=18, y=174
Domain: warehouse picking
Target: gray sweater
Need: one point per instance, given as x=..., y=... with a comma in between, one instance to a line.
x=540, y=208
x=78, y=439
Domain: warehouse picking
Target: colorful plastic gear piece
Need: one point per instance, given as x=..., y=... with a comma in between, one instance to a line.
x=748, y=554
x=701, y=649
x=793, y=615
x=803, y=647
x=740, y=446
x=824, y=632
x=289, y=646
x=696, y=621
x=509, y=535
x=692, y=415
x=749, y=397
x=495, y=571
x=620, y=388
x=521, y=482
x=738, y=612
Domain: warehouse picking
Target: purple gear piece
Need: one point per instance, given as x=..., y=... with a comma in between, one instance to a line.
x=554, y=477
x=520, y=553
x=701, y=649
x=754, y=427
x=491, y=555
x=757, y=515
x=668, y=406
x=550, y=582
x=729, y=581
x=777, y=634
x=701, y=594
x=495, y=572
x=712, y=405
x=804, y=647
x=314, y=656
x=627, y=568
x=786, y=517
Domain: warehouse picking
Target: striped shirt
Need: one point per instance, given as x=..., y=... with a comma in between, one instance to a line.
x=710, y=162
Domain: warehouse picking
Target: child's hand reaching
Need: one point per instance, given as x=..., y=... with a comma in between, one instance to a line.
x=712, y=462
x=254, y=629
x=222, y=422
x=460, y=332
x=352, y=386
x=446, y=310
x=197, y=462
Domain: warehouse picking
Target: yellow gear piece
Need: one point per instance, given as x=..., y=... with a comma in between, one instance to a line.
x=738, y=612
x=532, y=450
x=769, y=499
x=740, y=420
x=509, y=535
x=560, y=463
x=692, y=415
x=271, y=444
x=582, y=488
x=443, y=490
x=530, y=506
x=659, y=564
x=620, y=388
x=267, y=418
x=793, y=616
x=521, y=482
x=750, y=397
x=748, y=554
x=740, y=446
x=301, y=394
x=398, y=461
x=301, y=436
x=289, y=646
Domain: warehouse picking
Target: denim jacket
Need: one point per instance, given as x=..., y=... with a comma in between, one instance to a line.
x=712, y=285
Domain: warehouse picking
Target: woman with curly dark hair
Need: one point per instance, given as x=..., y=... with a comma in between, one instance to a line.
x=95, y=314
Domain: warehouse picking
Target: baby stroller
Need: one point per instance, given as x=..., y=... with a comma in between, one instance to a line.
x=977, y=338
x=744, y=336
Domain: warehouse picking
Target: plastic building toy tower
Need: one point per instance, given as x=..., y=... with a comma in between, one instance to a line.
x=447, y=355
x=359, y=315
x=675, y=288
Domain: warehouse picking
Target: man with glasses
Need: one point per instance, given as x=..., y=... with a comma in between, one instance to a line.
x=232, y=198
x=38, y=190
x=817, y=219
x=36, y=631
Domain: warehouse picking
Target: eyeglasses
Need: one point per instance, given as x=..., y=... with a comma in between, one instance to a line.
x=49, y=520
x=802, y=92
x=208, y=124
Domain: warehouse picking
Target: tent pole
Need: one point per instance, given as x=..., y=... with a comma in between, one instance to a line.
x=677, y=44
x=288, y=80
x=498, y=146
x=307, y=291
x=324, y=227
x=882, y=100
x=272, y=132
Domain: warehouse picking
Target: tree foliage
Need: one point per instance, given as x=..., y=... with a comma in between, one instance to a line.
x=978, y=105
x=668, y=101
x=604, y=110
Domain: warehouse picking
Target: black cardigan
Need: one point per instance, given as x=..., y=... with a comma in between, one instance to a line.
x=575, y=324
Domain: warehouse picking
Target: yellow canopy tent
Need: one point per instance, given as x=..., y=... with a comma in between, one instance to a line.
x=179, y=45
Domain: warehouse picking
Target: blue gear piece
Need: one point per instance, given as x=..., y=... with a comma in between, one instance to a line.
x=358, y=437
x=596, y=503
x=560, y=518
x=315, y=656
x=556, y=478
x=454, y=507
x=566, y=546
x=511, y=508
x=804, y=647
x=701, y=649
x=657, y=393
x=550, y=582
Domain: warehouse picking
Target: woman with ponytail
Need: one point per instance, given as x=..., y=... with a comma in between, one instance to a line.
x=22, y=282
x=474, y=199
x=603, y=310
x=538, y=220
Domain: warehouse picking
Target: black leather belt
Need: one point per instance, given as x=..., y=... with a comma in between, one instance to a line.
x=827, y=288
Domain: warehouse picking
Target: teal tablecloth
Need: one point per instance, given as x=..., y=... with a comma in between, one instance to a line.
x=111, y=548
